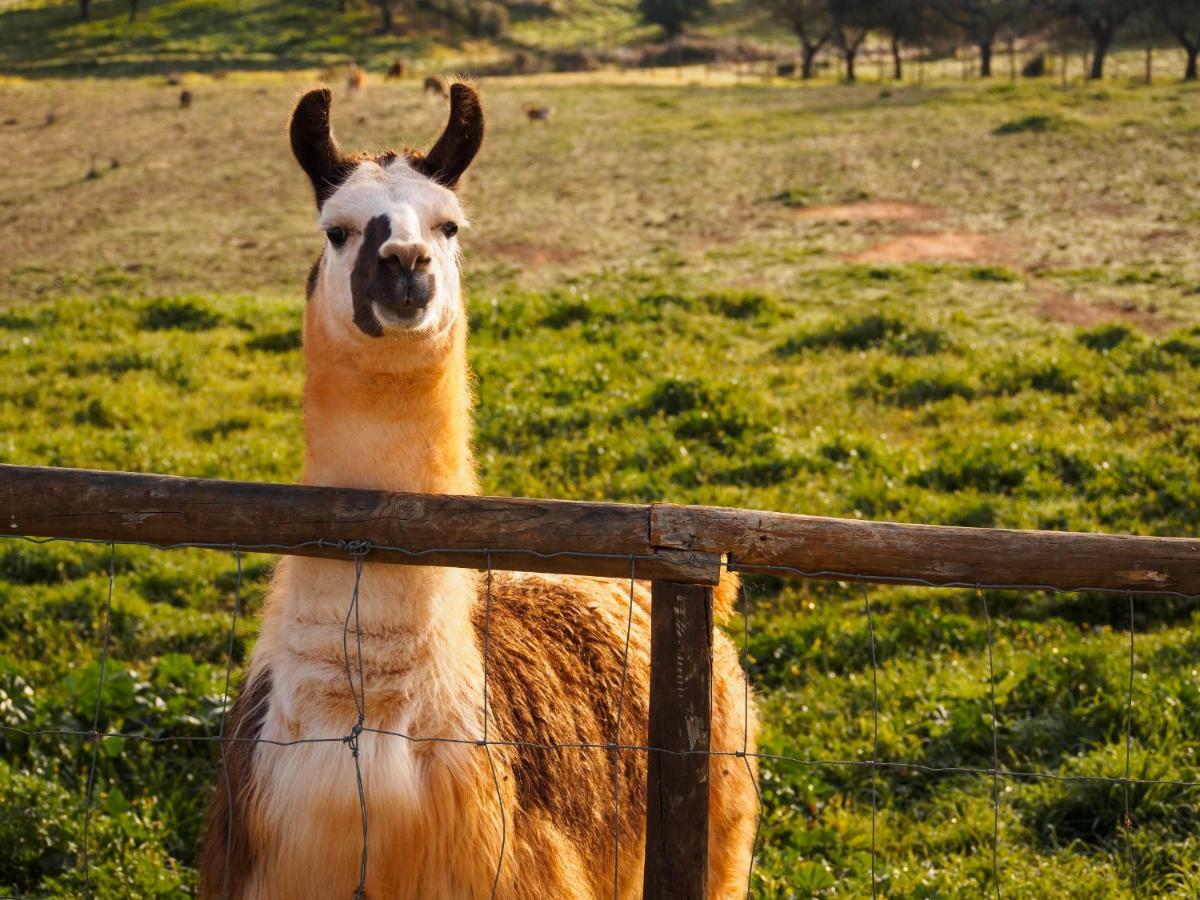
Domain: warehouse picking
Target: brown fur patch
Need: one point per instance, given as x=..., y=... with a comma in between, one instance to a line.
x=222, y=840
x=554, y=674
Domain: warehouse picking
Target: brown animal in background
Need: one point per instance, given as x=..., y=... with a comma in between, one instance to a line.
x=185, y=99
x=388, y=405
x=357, y=79
x=435, y=85
x=395, y=70
x=538, y=113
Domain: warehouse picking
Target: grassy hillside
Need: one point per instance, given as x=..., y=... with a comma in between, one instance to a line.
x=41, y=39
x=215, y=35
x=46, y=39
x=944, y=304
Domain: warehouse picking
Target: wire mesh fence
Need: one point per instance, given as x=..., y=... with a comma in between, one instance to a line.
x=995, y=774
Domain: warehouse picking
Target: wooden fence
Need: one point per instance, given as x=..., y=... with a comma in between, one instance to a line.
x=681, y=549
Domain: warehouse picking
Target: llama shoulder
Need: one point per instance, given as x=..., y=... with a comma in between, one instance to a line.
x=556, y=664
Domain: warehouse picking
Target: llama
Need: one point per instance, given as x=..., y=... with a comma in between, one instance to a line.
x=387, y=405
x=436, y=86
x=356, y=80
x=395, y=71
x=536, y=113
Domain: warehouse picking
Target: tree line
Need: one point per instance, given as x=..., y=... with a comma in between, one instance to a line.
x=922, y=24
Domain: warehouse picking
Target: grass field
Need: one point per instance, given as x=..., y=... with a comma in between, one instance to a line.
x=954, y=303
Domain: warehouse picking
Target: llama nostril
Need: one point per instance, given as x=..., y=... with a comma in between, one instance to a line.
x=408, y=258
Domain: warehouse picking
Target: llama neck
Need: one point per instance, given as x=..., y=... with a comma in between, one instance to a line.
x=403, y=430
x=400, y=430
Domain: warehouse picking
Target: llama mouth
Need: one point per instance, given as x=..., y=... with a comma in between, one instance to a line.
x=400, y=318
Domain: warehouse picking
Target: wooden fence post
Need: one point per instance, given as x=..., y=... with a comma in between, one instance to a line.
x=681, y=642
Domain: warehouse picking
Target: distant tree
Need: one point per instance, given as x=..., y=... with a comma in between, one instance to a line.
x=1102, y=19
x=981, y=21
x=906, y=22
x=133, y=9
x=672, y=15
x=852, y=20
x=1182, y=19
x=810, y=21
x=387, y=16
x=487, y=19
x=85, y=9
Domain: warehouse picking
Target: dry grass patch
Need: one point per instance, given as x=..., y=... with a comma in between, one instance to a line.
x=870, y=211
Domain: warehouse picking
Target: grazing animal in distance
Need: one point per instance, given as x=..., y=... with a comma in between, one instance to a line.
x=185, y=99
x=785, y=70
x=437, y=86
x=387, y=405
x=356, y=80
x=538, y=113
x=395, y=70
x=1035, y=68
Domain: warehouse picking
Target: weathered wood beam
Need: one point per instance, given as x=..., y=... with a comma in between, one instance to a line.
x=679, y=543
x=890, y=552
x=681, y=650
x=521, y=535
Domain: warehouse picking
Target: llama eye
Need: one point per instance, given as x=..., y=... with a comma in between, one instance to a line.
x=450, y=229
x=337, y=236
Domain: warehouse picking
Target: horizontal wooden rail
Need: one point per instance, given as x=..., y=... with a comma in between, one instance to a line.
x=675, y=543
x=305, y=520
x=896, y=553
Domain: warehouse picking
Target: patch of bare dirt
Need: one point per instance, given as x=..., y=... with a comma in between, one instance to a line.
x=531, y=255
x=941, y=247
x=1160, y=236
x=1059, y=306
x=869, y=211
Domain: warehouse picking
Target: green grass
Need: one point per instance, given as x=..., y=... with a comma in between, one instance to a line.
x=651, y=320
x=212, y=35
x=49, y=39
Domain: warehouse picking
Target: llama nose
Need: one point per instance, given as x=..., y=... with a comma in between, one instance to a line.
x=407, y=259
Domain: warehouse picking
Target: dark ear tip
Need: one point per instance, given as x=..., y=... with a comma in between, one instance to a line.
x=315, y=103
x=320, y=96
x=464, y=97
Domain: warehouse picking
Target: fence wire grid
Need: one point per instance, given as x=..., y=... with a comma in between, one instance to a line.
x=358, y=552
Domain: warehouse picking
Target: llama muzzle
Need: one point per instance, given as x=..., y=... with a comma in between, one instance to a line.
x=391, y=282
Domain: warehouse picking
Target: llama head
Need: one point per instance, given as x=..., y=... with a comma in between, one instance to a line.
x=389, y=273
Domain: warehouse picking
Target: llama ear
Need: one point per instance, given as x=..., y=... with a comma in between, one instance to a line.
x=461, y=140
x=314, y=146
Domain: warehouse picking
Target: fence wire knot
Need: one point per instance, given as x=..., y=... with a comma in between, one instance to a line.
x=354, y=548
x=351, y=740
